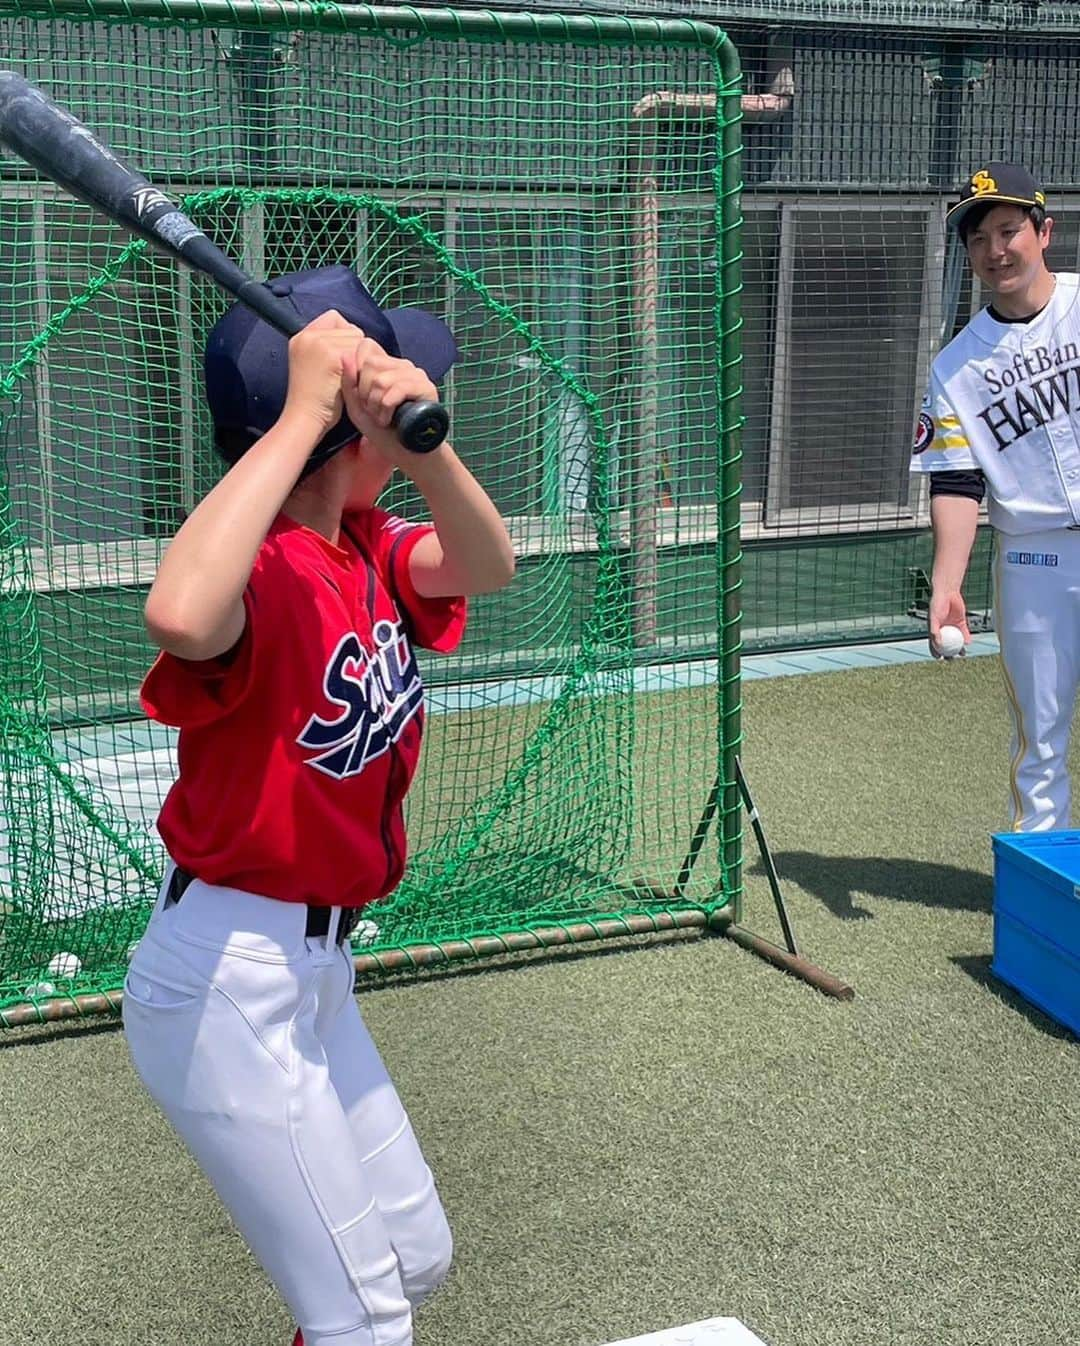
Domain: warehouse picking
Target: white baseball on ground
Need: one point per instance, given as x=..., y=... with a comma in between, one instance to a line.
x=64, y=965
x=39, y=989
x=366, y=932
x=950, y=641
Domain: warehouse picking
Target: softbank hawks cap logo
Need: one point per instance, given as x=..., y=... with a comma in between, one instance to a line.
x=379, y=693
x=1011, y=184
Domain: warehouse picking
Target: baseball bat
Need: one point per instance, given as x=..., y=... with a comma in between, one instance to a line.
x=54, y=142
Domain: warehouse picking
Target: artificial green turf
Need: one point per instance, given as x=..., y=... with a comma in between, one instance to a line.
x=671, y=1131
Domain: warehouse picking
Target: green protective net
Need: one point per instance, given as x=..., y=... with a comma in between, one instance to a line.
x=565, y=193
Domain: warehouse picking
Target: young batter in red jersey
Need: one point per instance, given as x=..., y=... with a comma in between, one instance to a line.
x=287, y=609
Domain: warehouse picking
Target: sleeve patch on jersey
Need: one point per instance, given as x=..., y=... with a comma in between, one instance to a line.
x=924, y=433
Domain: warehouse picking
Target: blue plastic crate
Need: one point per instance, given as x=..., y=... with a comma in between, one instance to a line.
x=1037, y=920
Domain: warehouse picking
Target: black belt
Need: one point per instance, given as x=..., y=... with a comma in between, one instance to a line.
x=318, y=918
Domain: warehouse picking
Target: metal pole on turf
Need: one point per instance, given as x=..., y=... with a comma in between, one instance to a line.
x=702, y=831
x=766, y=859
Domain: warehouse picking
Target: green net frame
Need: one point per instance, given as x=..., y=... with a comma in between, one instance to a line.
x=540, y=179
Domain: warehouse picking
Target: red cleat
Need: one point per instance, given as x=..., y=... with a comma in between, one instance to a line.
x=298, y=1340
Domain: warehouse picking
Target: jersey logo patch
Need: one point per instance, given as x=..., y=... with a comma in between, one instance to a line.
x=378, y=693
x=924, y=433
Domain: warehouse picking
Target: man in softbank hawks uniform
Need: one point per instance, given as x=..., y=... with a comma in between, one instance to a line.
x=1001, y=420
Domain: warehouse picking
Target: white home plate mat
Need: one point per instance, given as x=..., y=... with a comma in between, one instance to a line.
x=710, y=1332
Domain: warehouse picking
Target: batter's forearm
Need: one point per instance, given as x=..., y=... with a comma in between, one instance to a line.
x=195, y=606
x=955, y=519
x=477, y=554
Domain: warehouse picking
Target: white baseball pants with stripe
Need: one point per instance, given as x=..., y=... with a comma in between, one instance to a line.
x=246, y=1033
x=1038, y=625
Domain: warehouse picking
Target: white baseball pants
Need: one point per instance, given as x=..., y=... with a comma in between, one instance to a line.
x=1038, y=626
x=247, y=1035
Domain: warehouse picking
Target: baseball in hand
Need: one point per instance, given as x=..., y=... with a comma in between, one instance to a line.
x=950, y=641
x=65, y=965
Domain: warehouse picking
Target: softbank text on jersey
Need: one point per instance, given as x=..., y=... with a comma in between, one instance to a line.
x=1052, y=379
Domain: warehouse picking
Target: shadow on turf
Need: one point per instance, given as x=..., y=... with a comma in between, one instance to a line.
x=38, y=1034
x=977, y=967
x=837, y=880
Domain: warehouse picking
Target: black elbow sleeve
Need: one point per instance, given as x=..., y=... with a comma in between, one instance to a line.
x=972, y=485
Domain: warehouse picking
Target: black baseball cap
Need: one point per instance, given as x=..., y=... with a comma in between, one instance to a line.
x=996, y=184
x=246, y=363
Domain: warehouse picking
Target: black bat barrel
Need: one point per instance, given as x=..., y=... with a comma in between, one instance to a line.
x=58, y=145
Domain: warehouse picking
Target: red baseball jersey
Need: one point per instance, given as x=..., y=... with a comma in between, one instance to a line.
x=296, y=750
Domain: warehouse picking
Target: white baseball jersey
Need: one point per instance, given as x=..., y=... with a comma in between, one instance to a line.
x=1004, y=398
